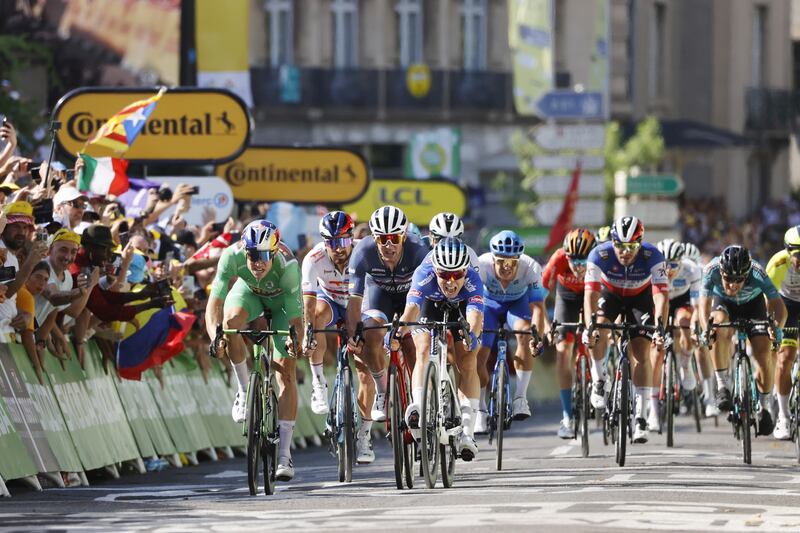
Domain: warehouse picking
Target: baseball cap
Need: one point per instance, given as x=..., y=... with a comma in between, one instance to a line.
x=67, y=193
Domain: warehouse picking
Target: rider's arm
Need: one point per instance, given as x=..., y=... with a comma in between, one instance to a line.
x=777, y=267
x=410, y=314
x=591, y=284
x=310, y=284
x=777, y=309
x=357, y=274
x=219, y=290
x=550, y=273
x=292, y=304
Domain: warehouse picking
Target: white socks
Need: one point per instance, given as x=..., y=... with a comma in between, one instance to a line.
x=723, y=378
x=366, y=427
x=380, y=381
x=523, y=379
x=285, y=430
x=242, y=375
x=468, y=408
x=598, y=372
x=641, y=395
x=317, y=375
x=482, y=401
x=783, y=405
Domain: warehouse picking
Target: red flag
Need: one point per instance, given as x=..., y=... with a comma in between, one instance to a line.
x=564, y=221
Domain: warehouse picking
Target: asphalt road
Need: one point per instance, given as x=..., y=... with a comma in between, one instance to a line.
x=699, y=485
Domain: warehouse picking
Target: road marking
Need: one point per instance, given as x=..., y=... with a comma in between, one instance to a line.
x=226, y=474
x=562, y=450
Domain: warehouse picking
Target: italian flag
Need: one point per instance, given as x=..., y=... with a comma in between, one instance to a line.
x=104, y=175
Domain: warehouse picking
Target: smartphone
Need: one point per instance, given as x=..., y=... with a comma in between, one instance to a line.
x=218, y=227
x=163, y=287
x=41, y=234
x=188, y=284
x=194, y=190
x=8, y=273
x=43, y=211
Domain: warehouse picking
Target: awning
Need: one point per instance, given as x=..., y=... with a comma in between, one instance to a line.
x=692, y=134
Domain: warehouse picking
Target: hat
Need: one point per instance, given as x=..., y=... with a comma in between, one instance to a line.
x=58, y=166
x=185, y=237
x=19, y=212
x=66, y=194
x=65, y=234
x=90, y=215
x=97, y=235
x=8, y=187
x=136, y=268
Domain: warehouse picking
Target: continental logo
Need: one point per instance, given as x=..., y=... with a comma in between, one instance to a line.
x=299, y=175
x=188, y=125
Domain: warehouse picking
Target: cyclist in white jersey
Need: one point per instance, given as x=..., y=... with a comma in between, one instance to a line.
x=446, y=225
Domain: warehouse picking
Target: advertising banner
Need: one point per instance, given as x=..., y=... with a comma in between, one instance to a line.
x=530, y=37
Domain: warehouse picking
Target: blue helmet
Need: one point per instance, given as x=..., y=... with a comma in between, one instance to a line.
x=506, y=244
x=261, y=235
x=336, y=224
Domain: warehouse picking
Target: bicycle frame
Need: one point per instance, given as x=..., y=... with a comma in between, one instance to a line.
x=438, y=356
x=336, y=402
x=502, y=361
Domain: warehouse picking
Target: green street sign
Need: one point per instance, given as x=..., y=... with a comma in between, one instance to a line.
x=535, y=238
x=656, y=185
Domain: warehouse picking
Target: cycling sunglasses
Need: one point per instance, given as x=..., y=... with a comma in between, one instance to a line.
x=673, y=265
x=734, y=279
x=394, y=238
x=507, y=262
x=339, y=242
x=577, y=262
x=259, y=255
x=627, y=246
x=451, y=275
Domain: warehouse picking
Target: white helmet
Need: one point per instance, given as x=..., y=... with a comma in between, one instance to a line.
x=387, y=220
x=671, y=249
x=450, y=254
x=691, y=252
x=446, y=225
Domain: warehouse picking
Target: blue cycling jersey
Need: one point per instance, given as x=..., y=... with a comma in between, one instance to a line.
x=756, y=284
x=365, y=261
x=526, y=283
x=603, y=269
x=425, y=286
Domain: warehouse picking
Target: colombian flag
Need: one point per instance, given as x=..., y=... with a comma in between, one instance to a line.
x=119, y=132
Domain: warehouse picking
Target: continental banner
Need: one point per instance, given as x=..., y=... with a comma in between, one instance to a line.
x=530, y=37
x=15, y=462
x=188, y=125
x=420, y=200
x=297, y=175
x=152, y=435
x=213, y=403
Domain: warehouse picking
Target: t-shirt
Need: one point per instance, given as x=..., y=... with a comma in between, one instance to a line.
x=43, y=305
x=8, y=309
x=25, y=304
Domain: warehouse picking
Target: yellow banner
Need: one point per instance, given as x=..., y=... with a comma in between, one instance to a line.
x=420, y=200
x=298, y=175
x=199, y=125
x=221, y=35
x=530, y=37
x=599, y=59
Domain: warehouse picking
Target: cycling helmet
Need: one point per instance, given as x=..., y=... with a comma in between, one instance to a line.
x=450, y=254
x=578, y=243
x=506, y=244
x=671, y=249
x=413, y=229
x=387, y=220
x=791, y=240
x=261, y=235
x=446, y=225
x=627, y=229
x=691, y=252
x=336, y=224
x=603, y=234
x=735, y=262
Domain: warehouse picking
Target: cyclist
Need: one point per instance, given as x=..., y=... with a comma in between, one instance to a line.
x=383, y=267
x=512, y=288
x=446, y=225
x=734, y=286
x=455, y=282
x=325, y=286
x=564, y=273
x=684, y=289
x=268, y=278
x=784, y=271
x=618, y=276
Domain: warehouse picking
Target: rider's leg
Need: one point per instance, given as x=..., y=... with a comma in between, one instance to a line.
x=783, y=375
x=721, y=350
x=564, y=370
x=762, y=353
x=657, y=361
x=523, y=359
x=285, y=372
x=469, y=385
x=483, y=373
x=323, y=316
x=641, y=372
x=422, y=341
x=236, y=318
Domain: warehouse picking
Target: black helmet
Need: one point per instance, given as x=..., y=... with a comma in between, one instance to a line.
x=735, y=262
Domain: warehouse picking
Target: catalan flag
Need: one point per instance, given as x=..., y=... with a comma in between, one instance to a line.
x=119, y=132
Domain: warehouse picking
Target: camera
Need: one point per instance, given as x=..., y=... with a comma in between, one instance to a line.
x=7, y=273
x=43, y=211
x=164, y=193
x=194, y=190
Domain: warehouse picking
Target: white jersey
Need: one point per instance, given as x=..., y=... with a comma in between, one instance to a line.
x=527, y=282
x=320, y=274
x=688, y=279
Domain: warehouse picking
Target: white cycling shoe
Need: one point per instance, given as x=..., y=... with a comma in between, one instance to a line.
x=364, y=453
x=319, y=399
x=521, y=409
x=467, y=447
x=239, y=409
x=782, y=430
x=379, y=408
x=598, y=396
x=640, y=433
x=412, y=416
x=652, y=420
x=481, y=422
x=688, y=381
x=565, y=431
x=711, y=410
x=285, y=470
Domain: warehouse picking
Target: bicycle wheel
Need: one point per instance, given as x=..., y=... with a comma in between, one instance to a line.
x=427, y=424
x=347, y=453
x=795, y=422
x=669, y=392
x=254, y=436
x=447, y=452
x=622, y=412
x=395, y=428
x=694, y=396
x=269, y=451
x=609, y=418
x=493, y=412
x=583, y=405
x=745, y=399
x=501, y=403
x=409, y=443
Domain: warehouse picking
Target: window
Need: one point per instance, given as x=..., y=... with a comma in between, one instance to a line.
x=345, y=33
x=758, y=66
x=473, y=30
x=658, y=37
x=281, y=32
x=409, y=14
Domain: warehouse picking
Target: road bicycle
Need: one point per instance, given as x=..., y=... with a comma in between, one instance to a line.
x=794, y=397
x=670, y=392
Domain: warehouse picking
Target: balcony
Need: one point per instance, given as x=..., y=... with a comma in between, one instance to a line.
x=770, y=111
x=369, y=93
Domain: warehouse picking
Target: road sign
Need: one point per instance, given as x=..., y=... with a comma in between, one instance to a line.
x=654, y=213
x=568, y=162
x=570, y=136
x=589, y=185
x=656, y=185
x=571, y=105
x=587, y=212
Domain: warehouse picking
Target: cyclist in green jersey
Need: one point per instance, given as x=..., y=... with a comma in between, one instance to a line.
x=267, y=277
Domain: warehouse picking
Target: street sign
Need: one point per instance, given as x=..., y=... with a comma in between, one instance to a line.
x=570, y=136
x=654, y=213
x=589, y=185
x=571, y=105
x=587, y=212
x=656, y=185
x=568, y=162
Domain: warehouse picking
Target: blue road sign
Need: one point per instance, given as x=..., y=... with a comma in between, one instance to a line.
x=571, y=105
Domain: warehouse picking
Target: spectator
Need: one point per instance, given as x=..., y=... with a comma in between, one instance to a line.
x=59, y=293
x=27, y=308
x=69, y=205
x=16, y=232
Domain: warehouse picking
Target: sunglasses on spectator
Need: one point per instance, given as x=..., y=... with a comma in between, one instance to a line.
x=506, y=262
x=451, y=275
x=77, y=204
x=673, y=265
x=340, y=242
x=734, y=279
x=394, y=238
x=577, y=262
x=627, y=246
x=259, y=255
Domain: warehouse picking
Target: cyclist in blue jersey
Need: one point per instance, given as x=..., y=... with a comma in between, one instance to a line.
x=512, y=288
x=380, y=272
x=446, y=276
x=734, y=286
x=627, y=277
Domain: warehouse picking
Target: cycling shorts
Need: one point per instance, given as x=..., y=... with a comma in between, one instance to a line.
x=254, y=305
x=497, y=313
x=755, y=309
x=792, y=320
x=432, y=311
x=637, y=309
x=568, y=309
x=381, y=305
x=338, y=312
x=680, y=302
